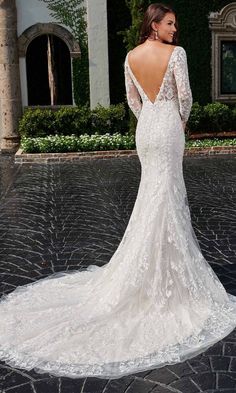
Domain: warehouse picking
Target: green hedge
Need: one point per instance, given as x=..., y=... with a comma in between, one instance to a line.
x=81, y=120
x=78, y=121
x=72, y=143
x=212, y=118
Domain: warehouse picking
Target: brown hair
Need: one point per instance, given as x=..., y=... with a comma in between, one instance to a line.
x=155, y=13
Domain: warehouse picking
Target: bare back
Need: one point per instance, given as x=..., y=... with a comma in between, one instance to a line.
x=149, y=65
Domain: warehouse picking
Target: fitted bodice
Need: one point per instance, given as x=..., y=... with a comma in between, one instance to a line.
x=175, y=85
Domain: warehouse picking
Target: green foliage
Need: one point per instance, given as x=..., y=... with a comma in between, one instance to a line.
x=109, y=120
x=37, y=122
x=211, y=142
x=131, y=35
x=80, y=67
x=212, y=117
x=79, y=120
x=195, y=121
x=132, y=122
x=72, y=14
x=218, y=117
x=72, y=121
x=72, y=143
x=233, y=119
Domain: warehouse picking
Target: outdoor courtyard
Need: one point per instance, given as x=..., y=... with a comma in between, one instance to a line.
x=65, y=216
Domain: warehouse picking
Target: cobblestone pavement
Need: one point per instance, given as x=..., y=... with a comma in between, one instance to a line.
x=64, y=216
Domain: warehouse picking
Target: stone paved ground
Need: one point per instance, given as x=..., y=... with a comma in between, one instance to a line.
x=64, y=216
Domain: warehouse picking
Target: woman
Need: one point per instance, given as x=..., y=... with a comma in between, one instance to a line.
x=157, y=301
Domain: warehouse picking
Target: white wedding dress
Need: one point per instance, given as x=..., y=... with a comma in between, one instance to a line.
x=157, y=301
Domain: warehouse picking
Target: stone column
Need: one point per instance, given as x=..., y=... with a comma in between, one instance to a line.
x=98, y=53
x=10, y=94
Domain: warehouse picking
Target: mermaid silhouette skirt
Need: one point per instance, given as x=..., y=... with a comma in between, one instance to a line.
x=156, y=302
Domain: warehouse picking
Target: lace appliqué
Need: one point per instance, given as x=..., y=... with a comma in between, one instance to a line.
x=157, y=301
x=182, y=81
x=132, y=94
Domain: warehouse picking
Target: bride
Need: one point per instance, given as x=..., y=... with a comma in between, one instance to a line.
x=157, y=301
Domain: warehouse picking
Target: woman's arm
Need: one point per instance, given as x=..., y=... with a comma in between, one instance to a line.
x=132, y=94
x=183, y=85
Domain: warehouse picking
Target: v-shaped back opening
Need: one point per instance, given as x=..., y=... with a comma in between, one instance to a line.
x=163, y=79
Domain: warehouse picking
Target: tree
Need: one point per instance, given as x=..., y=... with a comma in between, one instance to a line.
x=131, y=35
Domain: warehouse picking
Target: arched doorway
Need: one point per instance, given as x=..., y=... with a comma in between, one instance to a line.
x=48, y=66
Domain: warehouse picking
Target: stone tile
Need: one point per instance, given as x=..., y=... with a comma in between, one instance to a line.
x=232, y=336
x=142, y=374
x=162, y=375
x=205, y=380
x=162, y=389
x=95, y=385
x=21, y=389
x=118, y=385
x=220, y=363
x=185, y=385
x=51, y=385
x=230, y=349
x=220, y=391
x=200, y=364
x=215, y=350
x=13, y=378
x=181, y=369
x=64, y=216
x=140, y=386
x=69, y=385
x=232, y=366
x=226, y=381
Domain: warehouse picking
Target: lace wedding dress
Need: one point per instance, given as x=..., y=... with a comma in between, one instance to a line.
x=157, y=301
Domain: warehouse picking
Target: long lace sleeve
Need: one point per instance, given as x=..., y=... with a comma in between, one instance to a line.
x=132, y=94
x=183, y=85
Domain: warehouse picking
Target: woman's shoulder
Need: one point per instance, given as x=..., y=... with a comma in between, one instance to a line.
x=135, y=50
x=179, y=48
x=180, y=53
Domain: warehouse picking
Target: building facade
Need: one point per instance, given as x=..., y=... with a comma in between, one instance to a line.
x=36, y=54
x=29, y=38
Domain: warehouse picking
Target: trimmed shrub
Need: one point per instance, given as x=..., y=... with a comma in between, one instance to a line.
x=233, y=119
x=37, y=122
x=195, y=122
x=108, y=120
x=73, y=121
x=212, y=117
x=79, y=120
x=217, y=117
